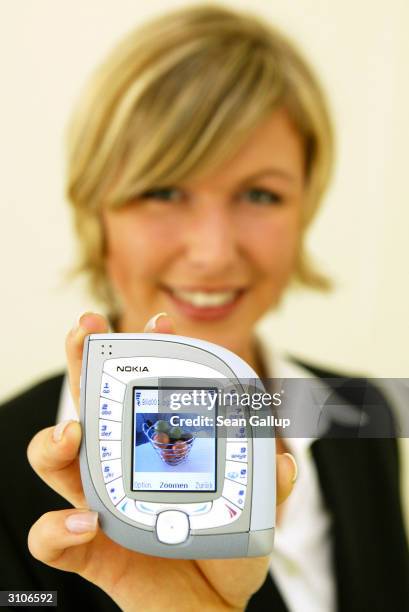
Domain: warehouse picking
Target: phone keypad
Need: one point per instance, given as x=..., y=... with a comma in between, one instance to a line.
x=222, y=511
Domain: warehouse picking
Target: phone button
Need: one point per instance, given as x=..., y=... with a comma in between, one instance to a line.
x=223, y=512
x=235, y=412
x=235, y=470
x=236, y=451
x=115, y=490
x=112, y=388
x=127, y=507
x=109, y=430
x=172, y=527
x=197, y=509
x=110, y=410
x=111, y=469
x=236, y=436
x=152, y=508
x=235, y=492
x=110, y=450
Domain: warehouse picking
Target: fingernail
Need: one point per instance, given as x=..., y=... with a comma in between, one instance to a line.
x=77, y=322
x=58, y=430
x=81, y=522
x=150, y=326
x=290, y=456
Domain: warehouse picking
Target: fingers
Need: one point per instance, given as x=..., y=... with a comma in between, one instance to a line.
x=94, y=323
x=56, y=461
x=286, y=476
x=88, y=323
x=60, y=538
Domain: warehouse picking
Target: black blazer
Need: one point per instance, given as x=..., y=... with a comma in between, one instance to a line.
x=359, y=479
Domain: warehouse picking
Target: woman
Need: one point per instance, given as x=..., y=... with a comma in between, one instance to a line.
x=198, y=156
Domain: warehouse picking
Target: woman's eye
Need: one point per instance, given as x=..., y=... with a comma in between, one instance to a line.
x=162, y=193
x=263, y=196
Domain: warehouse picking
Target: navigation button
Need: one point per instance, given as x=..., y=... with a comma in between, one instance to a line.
x=115, y=490
x=172, y=527
x=109, y=430
x=223, y=512
x=235, y=470
x=109, y=450
x=128, y=508
x=235, y=492
x=112, y=388
x=111, y=469
x=110, y=410
x=152, y=508
x=236, y=451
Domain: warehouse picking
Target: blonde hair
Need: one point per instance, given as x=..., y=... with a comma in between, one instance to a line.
x=159, y=108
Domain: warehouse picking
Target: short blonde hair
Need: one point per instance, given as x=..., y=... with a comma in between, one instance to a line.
x=158, y=110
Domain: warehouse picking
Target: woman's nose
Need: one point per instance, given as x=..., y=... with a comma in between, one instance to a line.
x=211, y=241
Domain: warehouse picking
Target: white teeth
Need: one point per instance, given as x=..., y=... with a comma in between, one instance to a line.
x=201, y=298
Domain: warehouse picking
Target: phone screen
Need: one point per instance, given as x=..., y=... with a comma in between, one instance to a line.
x=174, y=439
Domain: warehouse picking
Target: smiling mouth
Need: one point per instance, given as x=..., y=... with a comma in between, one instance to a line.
x=205, y=299
x=205, y=303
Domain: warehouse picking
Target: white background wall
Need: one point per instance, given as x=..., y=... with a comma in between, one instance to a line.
x=360, y=50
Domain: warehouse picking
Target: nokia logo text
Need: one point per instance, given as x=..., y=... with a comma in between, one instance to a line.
x=129, y=368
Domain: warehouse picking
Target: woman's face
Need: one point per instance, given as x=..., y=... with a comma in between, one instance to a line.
x=217, y=252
